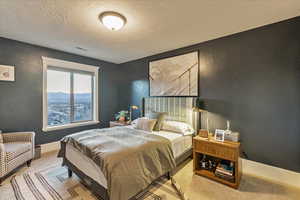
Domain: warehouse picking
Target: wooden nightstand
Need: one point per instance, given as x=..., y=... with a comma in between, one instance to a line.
x=118, y=123
x=226, y=150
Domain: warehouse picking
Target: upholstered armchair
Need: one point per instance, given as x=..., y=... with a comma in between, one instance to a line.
x=15, y=150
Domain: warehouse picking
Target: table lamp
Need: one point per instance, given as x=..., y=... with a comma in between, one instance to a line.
x=201, y=106
x=130, y=111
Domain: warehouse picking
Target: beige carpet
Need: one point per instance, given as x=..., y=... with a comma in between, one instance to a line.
x=195, y=187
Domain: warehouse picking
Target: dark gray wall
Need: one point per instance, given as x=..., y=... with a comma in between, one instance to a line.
x=21, y=101
x=251, y=78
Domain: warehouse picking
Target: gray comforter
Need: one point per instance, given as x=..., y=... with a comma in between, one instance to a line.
x=130, y=159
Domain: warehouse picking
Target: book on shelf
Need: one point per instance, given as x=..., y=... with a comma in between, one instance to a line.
x=224, y=176
x=225, y=170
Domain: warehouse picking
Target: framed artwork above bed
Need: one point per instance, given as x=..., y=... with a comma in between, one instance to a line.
x=175, y=76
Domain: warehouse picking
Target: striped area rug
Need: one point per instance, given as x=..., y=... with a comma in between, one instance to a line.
x=53, y=184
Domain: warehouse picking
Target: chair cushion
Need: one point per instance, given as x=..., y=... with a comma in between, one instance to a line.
x=14, y=149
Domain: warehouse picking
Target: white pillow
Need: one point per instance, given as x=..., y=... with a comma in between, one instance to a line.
x=178, y=127
x=134, y=122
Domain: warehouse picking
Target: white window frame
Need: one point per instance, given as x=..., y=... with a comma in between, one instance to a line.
x=73, y=66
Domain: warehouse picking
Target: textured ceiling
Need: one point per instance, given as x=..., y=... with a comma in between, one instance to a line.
x=153, y=26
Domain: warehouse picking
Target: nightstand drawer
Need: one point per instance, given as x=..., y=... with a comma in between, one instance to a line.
x=216, y=150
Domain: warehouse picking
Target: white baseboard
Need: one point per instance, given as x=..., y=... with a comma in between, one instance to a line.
x=274, y=174
x=53, y=146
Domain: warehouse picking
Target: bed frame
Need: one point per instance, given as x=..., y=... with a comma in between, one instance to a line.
x=99, y=191
x=178, y=108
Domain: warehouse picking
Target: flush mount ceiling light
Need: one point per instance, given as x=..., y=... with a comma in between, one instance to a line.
x=112, y=20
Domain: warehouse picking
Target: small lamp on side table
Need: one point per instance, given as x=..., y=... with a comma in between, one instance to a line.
x=130, y=111
x=201, y=107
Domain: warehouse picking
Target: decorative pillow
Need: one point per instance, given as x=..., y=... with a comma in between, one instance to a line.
x=159, y=116
x=146, y=124
x=178, y=127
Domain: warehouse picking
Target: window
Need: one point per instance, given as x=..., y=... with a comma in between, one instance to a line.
x=70, y=94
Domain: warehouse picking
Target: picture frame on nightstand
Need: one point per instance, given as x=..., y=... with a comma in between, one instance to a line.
x=219, y=135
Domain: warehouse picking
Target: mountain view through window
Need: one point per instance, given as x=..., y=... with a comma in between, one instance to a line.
x=70, y=97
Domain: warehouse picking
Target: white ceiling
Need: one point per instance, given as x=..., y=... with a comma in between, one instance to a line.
x=153, y=26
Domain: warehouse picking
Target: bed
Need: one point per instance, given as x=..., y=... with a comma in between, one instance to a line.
x=178, y=109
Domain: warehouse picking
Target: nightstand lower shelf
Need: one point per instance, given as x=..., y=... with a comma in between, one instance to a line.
x=211, y=175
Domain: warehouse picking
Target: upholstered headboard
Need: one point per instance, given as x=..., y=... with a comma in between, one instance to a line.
x=178, y=108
